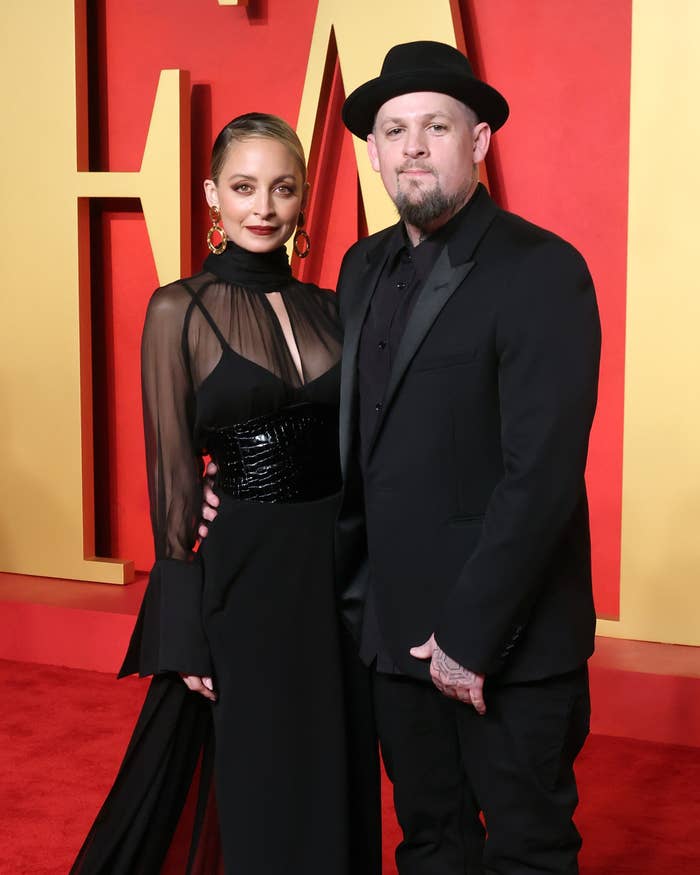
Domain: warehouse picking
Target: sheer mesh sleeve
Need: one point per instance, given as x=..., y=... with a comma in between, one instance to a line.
x=168, y=635
x=173, y=465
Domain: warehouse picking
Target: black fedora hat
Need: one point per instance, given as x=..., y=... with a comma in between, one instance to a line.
x=423, y=66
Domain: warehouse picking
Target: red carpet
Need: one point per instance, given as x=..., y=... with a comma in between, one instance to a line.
x=63, y=732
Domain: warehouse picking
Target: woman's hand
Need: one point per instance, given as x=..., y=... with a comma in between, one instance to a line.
x=211, y=500
x=203, y=686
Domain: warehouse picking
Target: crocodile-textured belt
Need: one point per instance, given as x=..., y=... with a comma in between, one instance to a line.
x=287, y=456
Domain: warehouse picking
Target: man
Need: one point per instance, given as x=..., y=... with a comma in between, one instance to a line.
x=469, y=384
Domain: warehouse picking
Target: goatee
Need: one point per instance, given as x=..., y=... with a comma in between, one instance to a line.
x=432, y=205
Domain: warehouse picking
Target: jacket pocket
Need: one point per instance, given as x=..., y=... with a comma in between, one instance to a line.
x=452, y=360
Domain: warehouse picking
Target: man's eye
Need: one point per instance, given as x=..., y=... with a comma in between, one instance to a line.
x=438, y=128
x=393, y=132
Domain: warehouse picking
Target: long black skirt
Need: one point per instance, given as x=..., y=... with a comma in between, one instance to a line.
x=279, y=776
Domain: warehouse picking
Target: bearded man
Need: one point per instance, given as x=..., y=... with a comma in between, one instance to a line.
x=469, y=383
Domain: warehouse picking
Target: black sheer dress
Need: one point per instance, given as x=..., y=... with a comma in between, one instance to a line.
x=278, y=776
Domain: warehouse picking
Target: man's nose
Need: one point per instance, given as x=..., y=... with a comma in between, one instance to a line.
x=416, y=144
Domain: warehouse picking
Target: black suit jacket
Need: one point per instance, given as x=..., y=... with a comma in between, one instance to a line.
x=471, y=519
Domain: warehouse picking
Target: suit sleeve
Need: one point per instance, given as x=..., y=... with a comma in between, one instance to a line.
x=344, y=276
x=548, y=343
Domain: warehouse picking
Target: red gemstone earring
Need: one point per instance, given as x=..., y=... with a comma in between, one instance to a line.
x=216, y=230
x=301, y=235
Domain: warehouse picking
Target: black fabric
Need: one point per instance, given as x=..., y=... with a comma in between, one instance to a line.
x=133, y=832
x=471, y=511
x=213, y=354
x=404, y=273
x=186, y=368
x=438, y=815
x=254, y=608
x=281, y=759
x=287, y=456
x=169, y=635
x=259, y=271
x=518, y=763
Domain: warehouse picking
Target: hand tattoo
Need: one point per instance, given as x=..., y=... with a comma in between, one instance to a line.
x=451, y=672
x=457, y=682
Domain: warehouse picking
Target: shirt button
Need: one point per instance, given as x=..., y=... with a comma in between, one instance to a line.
x=378, y=406
x=381, y=345
x=401, y=285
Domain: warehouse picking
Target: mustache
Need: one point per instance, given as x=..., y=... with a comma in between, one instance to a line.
x=417, y=165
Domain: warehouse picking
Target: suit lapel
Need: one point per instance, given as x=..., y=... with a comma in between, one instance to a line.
x=451, y=269
x=365, y=283
x=441, y=284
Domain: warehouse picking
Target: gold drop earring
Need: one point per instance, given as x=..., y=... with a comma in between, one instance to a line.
x=217, y=229
x=301, y=235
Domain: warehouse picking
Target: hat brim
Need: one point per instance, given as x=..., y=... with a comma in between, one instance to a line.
x=361, y=107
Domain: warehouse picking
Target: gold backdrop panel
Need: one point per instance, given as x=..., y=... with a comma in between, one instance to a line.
x=660, y=569
x=46, y=464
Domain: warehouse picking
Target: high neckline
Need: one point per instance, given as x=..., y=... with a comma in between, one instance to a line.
x=258, y=271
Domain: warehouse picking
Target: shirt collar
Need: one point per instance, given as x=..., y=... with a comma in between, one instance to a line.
x=428, y=249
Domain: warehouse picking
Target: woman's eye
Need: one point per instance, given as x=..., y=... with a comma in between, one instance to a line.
x=286, y=190
x=242, y=188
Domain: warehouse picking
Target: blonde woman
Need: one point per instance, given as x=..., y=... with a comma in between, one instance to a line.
x=239, y=762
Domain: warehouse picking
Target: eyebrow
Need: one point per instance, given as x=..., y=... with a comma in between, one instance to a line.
x=245, y=176
x=393, y=120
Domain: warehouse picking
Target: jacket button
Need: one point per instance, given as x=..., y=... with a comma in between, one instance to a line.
x=378, y=406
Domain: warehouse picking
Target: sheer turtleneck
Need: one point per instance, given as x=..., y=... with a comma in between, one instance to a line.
x=257, y=271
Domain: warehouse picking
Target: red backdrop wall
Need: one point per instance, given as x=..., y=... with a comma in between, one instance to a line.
x=560, y=161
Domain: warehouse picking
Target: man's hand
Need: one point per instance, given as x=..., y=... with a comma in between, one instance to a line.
x=203, y=686
x=450, y=677
x=211, y=500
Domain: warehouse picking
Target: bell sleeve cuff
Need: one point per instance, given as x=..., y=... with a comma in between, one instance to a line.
x=169, y=635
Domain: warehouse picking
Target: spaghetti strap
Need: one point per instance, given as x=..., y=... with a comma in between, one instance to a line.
x=207, y=315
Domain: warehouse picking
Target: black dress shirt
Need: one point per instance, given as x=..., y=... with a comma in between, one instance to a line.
x=403, y=276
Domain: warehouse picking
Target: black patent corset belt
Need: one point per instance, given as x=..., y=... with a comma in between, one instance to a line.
x=287, y=456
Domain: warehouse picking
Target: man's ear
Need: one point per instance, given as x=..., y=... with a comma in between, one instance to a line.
x=210, y=193
x=481, y=140
x=372, y=152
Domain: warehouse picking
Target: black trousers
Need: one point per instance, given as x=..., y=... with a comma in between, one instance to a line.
x=514, y=765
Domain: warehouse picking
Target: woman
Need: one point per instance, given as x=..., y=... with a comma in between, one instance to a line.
x=241, y=362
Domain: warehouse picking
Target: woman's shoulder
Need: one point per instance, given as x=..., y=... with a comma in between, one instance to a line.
x=169, y=306
x=173, y=299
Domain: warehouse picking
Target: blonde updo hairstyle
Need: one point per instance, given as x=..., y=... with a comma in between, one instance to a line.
x=252, y=125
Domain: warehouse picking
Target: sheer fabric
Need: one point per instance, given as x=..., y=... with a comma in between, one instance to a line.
x=181, y=353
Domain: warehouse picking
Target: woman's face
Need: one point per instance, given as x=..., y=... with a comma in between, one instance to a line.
x=259, y=193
